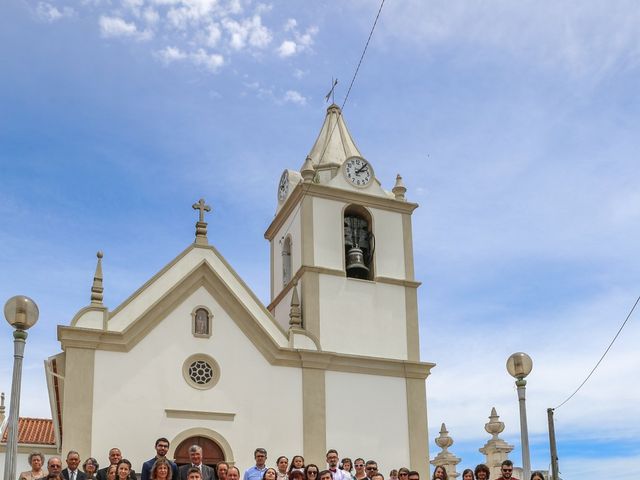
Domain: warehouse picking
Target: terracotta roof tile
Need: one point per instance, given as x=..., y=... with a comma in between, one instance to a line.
x=34, y=431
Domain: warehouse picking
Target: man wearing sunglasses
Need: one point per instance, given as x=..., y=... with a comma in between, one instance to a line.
x=371, y=467
x=507, y=471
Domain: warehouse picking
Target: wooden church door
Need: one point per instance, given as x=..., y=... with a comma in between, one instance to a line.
x=211, y=451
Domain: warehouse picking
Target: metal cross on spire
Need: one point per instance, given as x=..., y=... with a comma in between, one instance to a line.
x=332, y=92
x=201, y=225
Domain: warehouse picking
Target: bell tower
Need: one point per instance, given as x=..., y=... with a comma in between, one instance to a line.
x=344, y=243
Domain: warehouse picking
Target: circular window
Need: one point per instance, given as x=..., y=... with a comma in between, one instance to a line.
x=201, y=371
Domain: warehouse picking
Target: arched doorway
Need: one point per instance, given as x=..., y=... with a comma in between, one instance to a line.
x=211, y=452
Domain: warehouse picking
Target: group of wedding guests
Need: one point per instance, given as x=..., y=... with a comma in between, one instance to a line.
x=161, y=468
x=482, y=472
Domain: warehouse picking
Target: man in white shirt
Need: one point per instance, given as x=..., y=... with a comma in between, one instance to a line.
x=332, y=463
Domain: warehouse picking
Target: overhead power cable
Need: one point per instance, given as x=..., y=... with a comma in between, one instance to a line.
x=353, y=79
x=355, y=74
x=603, y=355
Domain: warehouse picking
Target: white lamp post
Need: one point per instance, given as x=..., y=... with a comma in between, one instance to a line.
x=22, y=313
x=519, y=365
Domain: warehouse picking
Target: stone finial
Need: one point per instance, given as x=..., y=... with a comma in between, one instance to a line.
x=494, y=427
x=96, y=287
x=496, y=450
x=445, y=458
x=399, y=189
x=201, y=225
x=295, y=314
x=307, y=171
x=444, y=441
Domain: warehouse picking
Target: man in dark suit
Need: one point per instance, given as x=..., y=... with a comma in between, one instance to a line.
x=195, y=455
x=162, y=448
x=115, y=455
x=72, y=472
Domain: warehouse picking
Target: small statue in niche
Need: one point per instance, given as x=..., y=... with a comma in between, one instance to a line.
x=202, y=322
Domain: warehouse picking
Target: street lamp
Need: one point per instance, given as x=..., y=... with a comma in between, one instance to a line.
x=22, y=313
x=519, y=365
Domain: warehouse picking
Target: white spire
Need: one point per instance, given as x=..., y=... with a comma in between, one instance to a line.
x=334, y=143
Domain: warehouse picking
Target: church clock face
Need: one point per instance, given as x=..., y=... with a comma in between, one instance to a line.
x=283, y=186
x=358, y=171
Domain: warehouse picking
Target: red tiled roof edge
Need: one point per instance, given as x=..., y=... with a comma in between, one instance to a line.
x=33, y=431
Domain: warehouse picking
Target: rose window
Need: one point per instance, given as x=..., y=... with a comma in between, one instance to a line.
x=200, y=372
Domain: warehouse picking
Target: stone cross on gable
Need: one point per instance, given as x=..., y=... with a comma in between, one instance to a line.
x=201, y=225
x=202, y=207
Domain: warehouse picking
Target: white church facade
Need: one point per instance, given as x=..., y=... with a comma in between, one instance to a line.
x=194, y=356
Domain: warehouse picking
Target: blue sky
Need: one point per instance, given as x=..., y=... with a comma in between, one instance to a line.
x=514, y=125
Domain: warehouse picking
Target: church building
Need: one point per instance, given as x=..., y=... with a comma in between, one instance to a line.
x=333, y=361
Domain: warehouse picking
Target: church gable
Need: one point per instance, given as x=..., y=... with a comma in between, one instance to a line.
x=146, y=308
x=176, y=379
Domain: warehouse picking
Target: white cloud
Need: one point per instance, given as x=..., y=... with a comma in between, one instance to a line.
x=192, y=12
x=290, y=24
x=50, y=13
x=300, y=42
x=210, y=61
x=201, y=58
x=298, y=73
x=134, y=5
x=248, y=31
x=171, y=54
x=205, y=31
x=306, y=39
x=150, y=16
x=580, y=37
x=287, y=48
x=117, y=27
x=213, y=35
x=293, y=96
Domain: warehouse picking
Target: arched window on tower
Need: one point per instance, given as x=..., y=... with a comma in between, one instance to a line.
x=359, y=243
x=286, y=261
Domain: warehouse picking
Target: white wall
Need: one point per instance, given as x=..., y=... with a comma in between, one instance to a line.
x=367, y=417
x=22, y=464
x=362, y=318
x=328, y=248
x=133, y=389
x=389, y=244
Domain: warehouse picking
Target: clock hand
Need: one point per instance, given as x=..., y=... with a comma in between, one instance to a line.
x=361, y=169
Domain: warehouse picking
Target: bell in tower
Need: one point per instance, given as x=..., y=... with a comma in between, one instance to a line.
x=358, y=243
